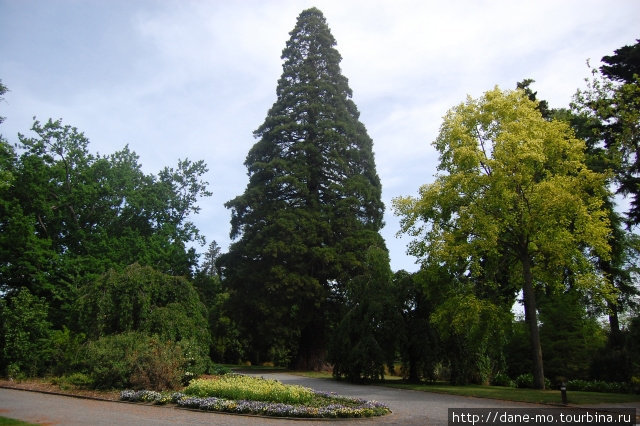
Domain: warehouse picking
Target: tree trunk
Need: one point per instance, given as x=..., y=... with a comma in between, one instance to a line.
x=615, y=337
x=312, y=352
x=531, y=317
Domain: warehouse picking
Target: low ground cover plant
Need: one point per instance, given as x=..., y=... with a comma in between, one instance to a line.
x=250, y=395
x=237, y=386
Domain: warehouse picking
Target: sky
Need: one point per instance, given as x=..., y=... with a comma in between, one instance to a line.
x=176, y=79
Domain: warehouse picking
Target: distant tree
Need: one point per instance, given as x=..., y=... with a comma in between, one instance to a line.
x=418, y=295
x=609, y=109
x=226, y=345
x=473, y=333
x=3, y=90
x=312, y=206
x=364, y=341
x=571, y=338
x=514, y=186
x=543, y=106
x=607, y=116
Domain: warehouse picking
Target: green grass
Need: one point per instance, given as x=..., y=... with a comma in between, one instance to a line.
x=313, y=374
x=522, y=395
x=242, y=367
x=13, y=422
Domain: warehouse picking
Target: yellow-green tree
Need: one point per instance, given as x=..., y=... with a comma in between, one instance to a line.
x=511, y=185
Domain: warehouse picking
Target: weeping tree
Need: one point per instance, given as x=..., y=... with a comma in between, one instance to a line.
x=513, y=186
x=311, y=209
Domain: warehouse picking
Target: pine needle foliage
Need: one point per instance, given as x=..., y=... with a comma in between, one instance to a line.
x=311, y=208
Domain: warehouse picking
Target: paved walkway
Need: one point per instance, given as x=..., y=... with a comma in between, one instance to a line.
x=409, y=407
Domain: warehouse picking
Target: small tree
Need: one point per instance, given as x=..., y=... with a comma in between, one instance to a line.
x=365, y=340
x=25, y=334
x=144, y=300
x=570, y=336
x=419, y=346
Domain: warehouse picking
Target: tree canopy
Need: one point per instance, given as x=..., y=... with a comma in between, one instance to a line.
x=512, y=185
x=68, y=215
x=609, y=109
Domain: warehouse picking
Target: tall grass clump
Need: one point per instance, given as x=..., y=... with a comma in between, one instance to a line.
x=238, y=387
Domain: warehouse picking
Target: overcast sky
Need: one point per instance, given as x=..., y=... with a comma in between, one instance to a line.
x=193, y=79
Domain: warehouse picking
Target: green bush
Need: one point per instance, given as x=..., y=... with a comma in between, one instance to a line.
x=64, y=351
x=526, y=381
x=74, y=380
x=24, y=333
x=136, y=360
x=219, y=370
x=502, y=379
x=140, y=298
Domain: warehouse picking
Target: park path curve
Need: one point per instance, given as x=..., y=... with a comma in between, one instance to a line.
x=409, y=407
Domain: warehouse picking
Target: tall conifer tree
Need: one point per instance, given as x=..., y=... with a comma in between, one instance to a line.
x=311, y=208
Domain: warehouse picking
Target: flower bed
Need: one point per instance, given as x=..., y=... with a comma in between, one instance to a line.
x=315, y=405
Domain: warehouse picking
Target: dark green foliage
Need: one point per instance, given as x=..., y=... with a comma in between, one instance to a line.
x=134, y=359
x=67, y=216
x=25, y=333
x=517, y=349
x=226, y=342
x=526, y=381
x=624, y=65
x=311, y=208
x=63, y=351
x=609, y=108
x=419, y=344
x=633, y=346
x=570, y=337
x=611, y=364
x=473, y=333
x=364, y=340
x=622, y=362
x=501, y=379
x=142, y=299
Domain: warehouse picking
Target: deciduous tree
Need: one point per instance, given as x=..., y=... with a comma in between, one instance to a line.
x=69, y=216
x=512, y=185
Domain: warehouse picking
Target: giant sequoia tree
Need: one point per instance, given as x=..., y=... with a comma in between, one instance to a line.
x=311, y=208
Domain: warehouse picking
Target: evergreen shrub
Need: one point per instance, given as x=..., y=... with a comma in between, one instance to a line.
x=502, y=379
x=526, y=381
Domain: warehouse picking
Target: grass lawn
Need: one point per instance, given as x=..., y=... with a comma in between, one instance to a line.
x=522, y=395
x=5, y=421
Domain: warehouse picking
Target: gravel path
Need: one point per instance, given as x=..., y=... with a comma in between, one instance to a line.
x=409, y=407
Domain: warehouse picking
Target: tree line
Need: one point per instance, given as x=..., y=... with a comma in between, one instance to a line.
x=99, y=277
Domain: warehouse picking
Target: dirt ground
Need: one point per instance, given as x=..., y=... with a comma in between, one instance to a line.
x=45, y=385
